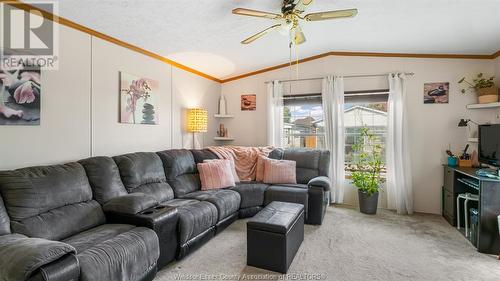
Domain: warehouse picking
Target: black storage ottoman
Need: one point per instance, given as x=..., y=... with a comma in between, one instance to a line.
x=274, y=236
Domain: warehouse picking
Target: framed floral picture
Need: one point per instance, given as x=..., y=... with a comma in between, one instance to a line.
x=248, y=102
x=20, y=95
x=138, y=100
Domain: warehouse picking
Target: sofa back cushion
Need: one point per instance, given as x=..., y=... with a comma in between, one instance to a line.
x=51, y=202
x=180, y=170
x=143, y=172
x=104, y=178
x=4, y=219
x=310, y=163
x=200, y=155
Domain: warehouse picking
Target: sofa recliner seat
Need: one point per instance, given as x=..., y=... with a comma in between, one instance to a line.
x=312, y=172
x=143, y=172
x=55, y=203
x=182, y=175
x=252, y=195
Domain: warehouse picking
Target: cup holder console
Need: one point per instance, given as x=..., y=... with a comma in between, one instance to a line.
x=154, y=210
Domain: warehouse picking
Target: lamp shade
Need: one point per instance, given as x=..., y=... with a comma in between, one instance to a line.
x=197, y=120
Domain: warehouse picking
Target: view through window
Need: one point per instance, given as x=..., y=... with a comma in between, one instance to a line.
x=304, y=125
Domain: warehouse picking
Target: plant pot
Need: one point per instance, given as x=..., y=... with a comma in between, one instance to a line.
x=367, y=203
x=487, y=99
x=487, y=91
x=487, y=95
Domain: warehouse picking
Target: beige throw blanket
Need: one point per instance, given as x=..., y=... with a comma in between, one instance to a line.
x=243, y=158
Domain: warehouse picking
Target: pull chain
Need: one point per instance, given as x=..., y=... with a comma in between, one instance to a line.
x=290, y=67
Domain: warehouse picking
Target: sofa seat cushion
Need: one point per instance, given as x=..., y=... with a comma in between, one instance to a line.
x=85, y=240
x=251, y=193
x=126, y=256
x=292, y=193
x=195, y=217
x=179, y=202
x=227, y=201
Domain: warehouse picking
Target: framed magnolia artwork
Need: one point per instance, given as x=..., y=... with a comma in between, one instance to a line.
x=138, y=100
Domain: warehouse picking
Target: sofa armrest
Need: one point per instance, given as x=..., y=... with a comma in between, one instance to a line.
x=22, y=257
x=322, y=181
x=132, y=203
x=162, y=220
x=66, y=268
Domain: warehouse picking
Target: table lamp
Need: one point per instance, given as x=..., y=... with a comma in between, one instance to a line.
x=197, y=122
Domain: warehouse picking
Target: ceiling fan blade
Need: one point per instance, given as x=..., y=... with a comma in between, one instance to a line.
x=255, y=13
x=331, y=15
x=301, y=5
x=260, y=34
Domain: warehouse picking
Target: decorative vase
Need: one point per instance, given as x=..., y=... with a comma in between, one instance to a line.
x=487, y=95
x=367, y=203
x=222, y=105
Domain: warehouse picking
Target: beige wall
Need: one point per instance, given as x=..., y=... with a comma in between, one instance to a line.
x=497, y=71
x=80, y=106
x=190, y=91
x=433, y=127
x=64, y=131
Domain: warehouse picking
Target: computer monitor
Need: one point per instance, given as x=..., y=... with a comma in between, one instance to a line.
x=489, y=144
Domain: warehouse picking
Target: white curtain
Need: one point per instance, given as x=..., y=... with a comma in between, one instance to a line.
x=399, y=178
x=333, y=108
x=275, y=114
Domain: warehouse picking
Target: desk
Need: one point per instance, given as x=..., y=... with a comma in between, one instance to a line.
x=461, y=180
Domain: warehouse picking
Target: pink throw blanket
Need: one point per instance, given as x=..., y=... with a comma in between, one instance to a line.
x=244, y=158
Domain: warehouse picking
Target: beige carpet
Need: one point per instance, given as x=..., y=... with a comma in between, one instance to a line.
x=349, y=246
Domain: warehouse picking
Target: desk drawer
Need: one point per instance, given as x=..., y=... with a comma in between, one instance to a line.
x=448, y=204
x=448, y=179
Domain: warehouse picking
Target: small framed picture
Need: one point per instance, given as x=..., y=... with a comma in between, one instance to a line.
x=248, y=102
x=436, y=92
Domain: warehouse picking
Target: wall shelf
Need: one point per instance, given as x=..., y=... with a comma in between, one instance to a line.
x=223, y=139
x=483, y=105
x=223, y=116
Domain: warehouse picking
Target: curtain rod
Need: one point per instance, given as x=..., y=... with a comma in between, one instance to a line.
x=347, y=76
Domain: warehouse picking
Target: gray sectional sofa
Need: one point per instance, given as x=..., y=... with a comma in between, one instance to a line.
x=121, y=218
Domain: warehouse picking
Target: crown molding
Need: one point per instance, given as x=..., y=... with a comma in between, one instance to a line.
x=364, y=54
x=63, y=21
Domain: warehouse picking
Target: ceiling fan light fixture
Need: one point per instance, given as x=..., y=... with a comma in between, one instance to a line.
x=297, y=36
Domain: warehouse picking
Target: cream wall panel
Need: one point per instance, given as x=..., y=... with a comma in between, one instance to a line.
x=109, y=136
x=64, y=131
x=497, y=71
x=191, y=91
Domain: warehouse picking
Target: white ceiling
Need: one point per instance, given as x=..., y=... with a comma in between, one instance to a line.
x=205, y=35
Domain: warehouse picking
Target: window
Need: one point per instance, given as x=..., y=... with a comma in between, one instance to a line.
x=303, y=121
x=364, y=109
x=304, y=127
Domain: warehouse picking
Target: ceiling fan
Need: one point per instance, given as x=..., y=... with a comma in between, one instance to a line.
x=290, y=17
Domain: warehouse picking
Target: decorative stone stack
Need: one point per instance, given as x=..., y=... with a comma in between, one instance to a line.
x=148, y=116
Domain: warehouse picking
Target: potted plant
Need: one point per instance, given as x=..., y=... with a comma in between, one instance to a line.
x=485, y=88
x=367, y=175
